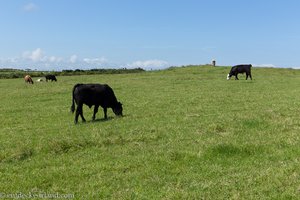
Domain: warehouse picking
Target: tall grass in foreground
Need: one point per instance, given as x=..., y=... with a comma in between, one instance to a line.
x=187, y=133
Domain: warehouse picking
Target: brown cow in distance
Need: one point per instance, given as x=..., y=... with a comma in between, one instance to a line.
x=28, y=79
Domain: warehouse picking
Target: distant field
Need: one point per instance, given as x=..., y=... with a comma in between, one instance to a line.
x=7, y=73
x=187, y=133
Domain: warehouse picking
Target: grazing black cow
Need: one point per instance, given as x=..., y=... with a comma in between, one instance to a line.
x=235, y=70
x=94, y=95
x=50, y=77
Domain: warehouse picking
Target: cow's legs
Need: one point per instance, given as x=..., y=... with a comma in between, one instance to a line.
x=76, y=115
x=236, y=77
x=79, y=112
x=81, y=115
x=95, y=111
x=105, y=113
x=249, y=76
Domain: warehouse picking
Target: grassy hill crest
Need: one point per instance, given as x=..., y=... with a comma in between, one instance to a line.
x=187, y=133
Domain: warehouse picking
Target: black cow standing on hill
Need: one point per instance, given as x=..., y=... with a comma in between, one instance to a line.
x=50, y=77
x=235, y=70
x=94, y=95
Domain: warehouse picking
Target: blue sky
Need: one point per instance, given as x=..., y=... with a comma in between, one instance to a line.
x=70, y=34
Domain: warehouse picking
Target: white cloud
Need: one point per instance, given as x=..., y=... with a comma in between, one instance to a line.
x=35, y=55
x=30, y=7
x=38, y=59
x=73, y=59
x=95, y=61
x=149, y=64
x=38, y=56
x=12, y=60
x=53, y=59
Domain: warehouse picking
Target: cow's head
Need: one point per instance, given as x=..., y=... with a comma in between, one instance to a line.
x=229, y=76
x=231, y=73
x=118, y=109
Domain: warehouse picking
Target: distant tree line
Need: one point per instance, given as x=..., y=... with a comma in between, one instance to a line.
x=17, y=73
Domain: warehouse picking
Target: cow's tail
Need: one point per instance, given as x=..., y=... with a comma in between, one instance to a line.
x=73, y=101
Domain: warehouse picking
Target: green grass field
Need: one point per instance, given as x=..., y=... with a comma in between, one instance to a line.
x=187, y=133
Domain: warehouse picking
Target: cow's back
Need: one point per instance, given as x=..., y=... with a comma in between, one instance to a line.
x=51, y=77
x=94, y=94
x=244, y=67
